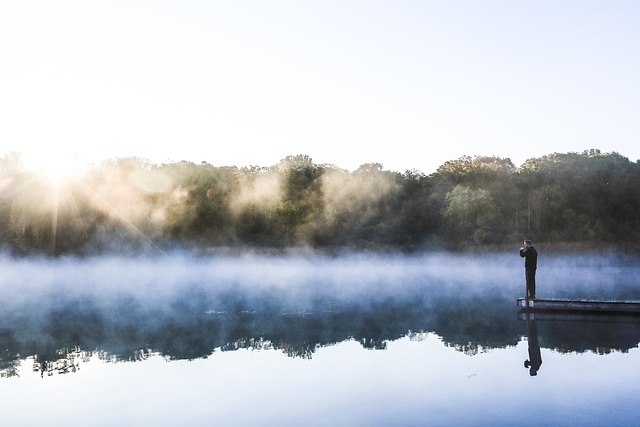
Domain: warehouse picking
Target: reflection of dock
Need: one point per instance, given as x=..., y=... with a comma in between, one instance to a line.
x=579, y=316
x=585, y=306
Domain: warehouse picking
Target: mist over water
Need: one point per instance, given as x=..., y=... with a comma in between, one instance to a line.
x=185, y=306
x=296, y=279
x=305, y=282
x=349, y=278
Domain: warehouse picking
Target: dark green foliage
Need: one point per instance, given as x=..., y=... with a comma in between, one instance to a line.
x=588, y=197
x=591, y=197
x=301, y=200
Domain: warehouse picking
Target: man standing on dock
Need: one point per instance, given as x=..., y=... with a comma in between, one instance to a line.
x=530, y=255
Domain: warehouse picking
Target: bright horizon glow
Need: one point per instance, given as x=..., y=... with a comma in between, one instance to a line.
x=410, y=85
x=53, y=165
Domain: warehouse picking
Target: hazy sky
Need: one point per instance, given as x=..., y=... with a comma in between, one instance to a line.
x=409, y=84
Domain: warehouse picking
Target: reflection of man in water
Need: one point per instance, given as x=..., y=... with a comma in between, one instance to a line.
x=530, y=255
x=535, y=359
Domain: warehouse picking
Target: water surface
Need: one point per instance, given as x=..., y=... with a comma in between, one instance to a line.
x=310, y=340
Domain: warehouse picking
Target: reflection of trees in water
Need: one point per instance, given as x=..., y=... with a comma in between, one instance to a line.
x=470, y=349
x=69, y=360
x=472, y=324
x=195, y=325
x=63, y=361
x=9, y=351
x=600, y=337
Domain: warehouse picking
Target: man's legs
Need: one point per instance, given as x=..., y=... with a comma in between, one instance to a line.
x=530, y=274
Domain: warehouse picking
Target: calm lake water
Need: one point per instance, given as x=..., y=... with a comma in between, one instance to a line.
x=350, y=340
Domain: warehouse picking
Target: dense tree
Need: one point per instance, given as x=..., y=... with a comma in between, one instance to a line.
x=301, y=197
x=470, y=214
x=590, y=197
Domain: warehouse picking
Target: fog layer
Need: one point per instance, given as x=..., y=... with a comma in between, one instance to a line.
x=187, y=307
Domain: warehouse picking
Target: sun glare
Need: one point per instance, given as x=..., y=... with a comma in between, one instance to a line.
x=54, y=166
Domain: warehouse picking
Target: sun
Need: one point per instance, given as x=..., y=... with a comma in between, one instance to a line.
x=52, y=165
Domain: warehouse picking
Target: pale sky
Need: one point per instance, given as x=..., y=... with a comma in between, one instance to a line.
x=409, y=84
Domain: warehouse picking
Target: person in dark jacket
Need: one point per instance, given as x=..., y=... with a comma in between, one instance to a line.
x=530, y=255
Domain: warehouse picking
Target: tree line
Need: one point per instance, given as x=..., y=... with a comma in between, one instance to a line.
x=129, y=204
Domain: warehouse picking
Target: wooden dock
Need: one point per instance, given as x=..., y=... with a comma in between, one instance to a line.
x=581, y=305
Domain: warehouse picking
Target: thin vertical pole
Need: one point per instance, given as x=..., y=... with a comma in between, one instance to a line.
x=529, y=215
